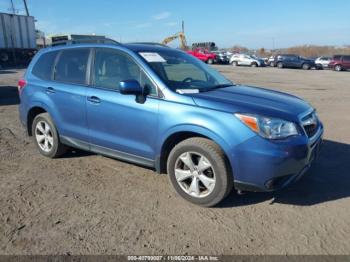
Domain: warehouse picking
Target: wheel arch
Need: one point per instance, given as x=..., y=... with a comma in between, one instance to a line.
x=180, y=134
x=37, y=108
x=306, y=63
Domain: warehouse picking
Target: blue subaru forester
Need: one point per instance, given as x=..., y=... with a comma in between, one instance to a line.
x=162, y=108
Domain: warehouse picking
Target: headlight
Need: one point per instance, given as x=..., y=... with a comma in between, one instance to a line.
x=271, y=128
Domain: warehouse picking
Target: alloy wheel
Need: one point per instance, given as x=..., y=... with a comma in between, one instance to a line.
x=194, y=174
x=338, y=68
x=44, y=136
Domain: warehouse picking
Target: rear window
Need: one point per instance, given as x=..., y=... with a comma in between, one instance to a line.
x=72, y=66
x=44, y=65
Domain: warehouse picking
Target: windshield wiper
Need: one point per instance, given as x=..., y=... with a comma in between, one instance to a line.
x=217, y=87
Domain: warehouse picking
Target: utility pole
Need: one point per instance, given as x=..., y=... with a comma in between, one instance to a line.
x=13, y=8
x=25, y=6
x=183, y=27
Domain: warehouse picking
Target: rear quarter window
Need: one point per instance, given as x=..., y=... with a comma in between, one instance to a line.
x=346, y=58
x=43, y=67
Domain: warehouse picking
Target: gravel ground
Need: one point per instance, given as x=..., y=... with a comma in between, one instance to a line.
x=84, y=203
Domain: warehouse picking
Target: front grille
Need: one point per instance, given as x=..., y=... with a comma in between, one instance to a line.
x=310, y=124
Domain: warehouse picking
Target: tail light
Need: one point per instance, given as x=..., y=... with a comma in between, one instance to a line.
x=21, y=84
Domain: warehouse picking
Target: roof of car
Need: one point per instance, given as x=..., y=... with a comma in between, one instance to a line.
x=145, y=47
x=136, y=47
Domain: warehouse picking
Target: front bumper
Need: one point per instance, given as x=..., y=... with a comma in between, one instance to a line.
x=262, y=165
x=221, y=60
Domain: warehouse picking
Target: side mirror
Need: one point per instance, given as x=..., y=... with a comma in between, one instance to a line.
x=130, y=87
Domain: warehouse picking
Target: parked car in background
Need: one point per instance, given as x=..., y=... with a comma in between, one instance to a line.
x=229, y=54
x=271, y=61
x=164, y=109
x=221, y=57
x=294, y=61
x=246, y=60
x=322, y=62
x=340, y=62
x=203, y=55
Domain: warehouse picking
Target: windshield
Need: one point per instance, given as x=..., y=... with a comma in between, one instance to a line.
x=180, y=71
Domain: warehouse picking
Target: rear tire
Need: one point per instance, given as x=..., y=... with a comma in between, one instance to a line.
x=280, y=65
x=253, y=65
x=195, y=160
x=46, y=137
x=210, y=61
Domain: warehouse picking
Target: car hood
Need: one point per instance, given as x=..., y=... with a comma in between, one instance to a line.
x=253, y=100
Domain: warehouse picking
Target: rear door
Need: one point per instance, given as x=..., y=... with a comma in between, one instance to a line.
x=119, y=125
x=286, y=60
x=246, y=60
x=294, y=61
x=67, y=92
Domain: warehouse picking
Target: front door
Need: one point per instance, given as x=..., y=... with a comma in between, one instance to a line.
x=119, y=125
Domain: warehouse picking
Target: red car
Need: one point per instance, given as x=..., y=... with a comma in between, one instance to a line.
x=203, y=55
x=340, y=62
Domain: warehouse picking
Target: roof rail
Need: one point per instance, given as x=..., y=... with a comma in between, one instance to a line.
x=86, y=41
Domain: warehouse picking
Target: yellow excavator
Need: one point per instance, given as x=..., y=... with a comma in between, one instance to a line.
x=180, y=36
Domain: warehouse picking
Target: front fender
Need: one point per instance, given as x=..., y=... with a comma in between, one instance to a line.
x=225, y=146
x=221, y=127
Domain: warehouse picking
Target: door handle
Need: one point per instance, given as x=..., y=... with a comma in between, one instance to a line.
x=94, y=99
x=50, y=90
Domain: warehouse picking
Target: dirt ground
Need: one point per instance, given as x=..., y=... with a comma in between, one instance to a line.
x=88, y=204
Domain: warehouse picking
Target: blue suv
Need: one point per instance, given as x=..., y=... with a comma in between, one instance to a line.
x=162, y=108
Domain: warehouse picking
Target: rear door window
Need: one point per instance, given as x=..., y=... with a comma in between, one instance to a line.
x=72, y=66
x=43, y=67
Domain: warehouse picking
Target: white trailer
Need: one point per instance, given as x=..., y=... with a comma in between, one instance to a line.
x=17, y=38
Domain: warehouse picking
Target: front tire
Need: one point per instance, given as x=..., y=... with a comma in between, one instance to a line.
x=306, y=66
x=199, y=172
x=280, y=65
x=338, y=68
x=46, y=136
x=234, y=63
x=254, y=65
x=210, y=61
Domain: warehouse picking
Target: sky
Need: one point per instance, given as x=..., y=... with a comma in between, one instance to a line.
x=250, y=23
